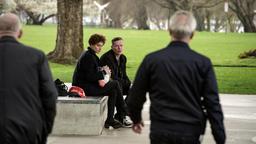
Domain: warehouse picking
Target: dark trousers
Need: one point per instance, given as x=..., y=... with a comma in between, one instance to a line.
x=125, y=87
x=173, y=139
x=115, y=99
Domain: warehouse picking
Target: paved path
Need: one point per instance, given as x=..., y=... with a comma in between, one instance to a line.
x=240, y=122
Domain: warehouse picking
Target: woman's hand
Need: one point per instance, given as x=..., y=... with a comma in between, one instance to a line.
x=101, y=83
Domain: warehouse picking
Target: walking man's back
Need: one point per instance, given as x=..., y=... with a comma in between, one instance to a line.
x=27, y=93
x=182, y=89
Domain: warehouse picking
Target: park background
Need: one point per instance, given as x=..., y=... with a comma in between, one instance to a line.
x=226, y=29
x=234, y=75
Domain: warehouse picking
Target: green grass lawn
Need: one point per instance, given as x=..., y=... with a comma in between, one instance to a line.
x=223, y=49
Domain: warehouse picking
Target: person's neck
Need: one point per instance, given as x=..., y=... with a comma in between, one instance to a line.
x=92, y=49
x=185, y=40
x=117, y=57
x=8, y=35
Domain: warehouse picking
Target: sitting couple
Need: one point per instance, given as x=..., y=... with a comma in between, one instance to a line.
x=105, y=77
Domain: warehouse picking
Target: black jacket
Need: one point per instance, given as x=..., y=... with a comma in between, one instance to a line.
x=177, y=78
x=118, y=71
x=87, y=71
x=27, y=94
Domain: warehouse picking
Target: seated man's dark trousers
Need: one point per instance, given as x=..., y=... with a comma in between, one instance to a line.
x=115, y=98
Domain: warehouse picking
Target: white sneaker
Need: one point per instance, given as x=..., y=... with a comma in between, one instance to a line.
x=127, y=122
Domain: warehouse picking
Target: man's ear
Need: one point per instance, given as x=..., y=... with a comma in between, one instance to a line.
x=20, y=33
x=192, y=35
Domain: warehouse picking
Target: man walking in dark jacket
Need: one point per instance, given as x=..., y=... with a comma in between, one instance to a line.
x=182, y=88
x=27, y=92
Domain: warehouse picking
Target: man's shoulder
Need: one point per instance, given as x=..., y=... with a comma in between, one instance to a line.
x=20, y=46
x=86, y=55
x=200, y=56
x=31, y=50
x=107, y=54
x=155, y=54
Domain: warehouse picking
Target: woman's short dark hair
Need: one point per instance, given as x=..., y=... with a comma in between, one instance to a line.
x=96, y=38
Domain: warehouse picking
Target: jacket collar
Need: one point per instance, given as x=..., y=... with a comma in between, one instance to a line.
x=114, y=56
x=8, y=39
x=90, y=50
x=112, y=53
x=178, y=44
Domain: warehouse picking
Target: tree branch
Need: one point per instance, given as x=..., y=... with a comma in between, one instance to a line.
x=161, y=4
x=207, y=5
x=49, y=16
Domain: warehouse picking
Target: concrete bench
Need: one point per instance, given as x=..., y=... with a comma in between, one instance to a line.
x=80, y=116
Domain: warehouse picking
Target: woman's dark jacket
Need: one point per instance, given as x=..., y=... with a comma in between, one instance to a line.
x=87, y=71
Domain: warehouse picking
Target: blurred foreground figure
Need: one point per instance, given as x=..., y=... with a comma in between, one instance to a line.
x=182, y=88
x=27, y=92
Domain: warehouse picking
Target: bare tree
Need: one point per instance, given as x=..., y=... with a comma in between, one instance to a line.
x=132, y=11
x=244, y=10
x=116, y=10
x=216, y=18
x=197, y=6
x=158, y=16
x=38, y=11
x=7, y=6
x=37, y=19
x=1, y=6
x=140, y=15
x=69, y=42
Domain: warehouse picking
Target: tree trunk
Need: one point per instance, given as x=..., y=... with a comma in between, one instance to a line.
x=141, y=16
x=1, y=6
x=208, y=20
x=231, y=23
x=248, y=24
x=199, y=15
x=117, y=21
x=169, y=18
x=115, y=15
x=69, y=42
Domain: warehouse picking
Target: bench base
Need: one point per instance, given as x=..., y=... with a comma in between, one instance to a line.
x=80, y=116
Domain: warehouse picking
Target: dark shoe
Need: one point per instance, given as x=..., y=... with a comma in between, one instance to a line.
x=118, y=118
x=115, y=124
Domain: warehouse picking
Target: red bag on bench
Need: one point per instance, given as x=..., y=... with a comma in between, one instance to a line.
x=76, y=91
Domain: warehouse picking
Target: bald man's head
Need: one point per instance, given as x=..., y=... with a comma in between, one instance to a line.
x=10, y=25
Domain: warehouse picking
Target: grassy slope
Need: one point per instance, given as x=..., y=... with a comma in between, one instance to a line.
x=223, y=49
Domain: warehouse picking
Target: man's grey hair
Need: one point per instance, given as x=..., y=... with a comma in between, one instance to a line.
x=182, y=24
x=9, y=23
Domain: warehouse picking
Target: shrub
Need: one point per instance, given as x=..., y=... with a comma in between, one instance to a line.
x=247, y=54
